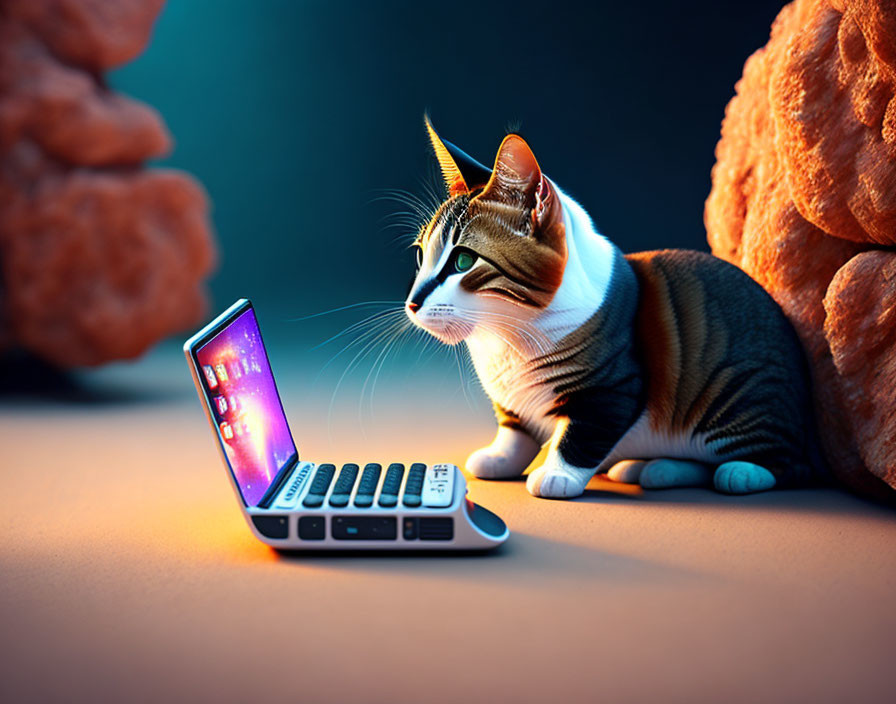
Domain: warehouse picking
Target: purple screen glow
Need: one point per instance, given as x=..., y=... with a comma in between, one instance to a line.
x=246, y=407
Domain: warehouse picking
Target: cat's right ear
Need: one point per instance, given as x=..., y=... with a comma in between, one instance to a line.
x=462, y=173
x=517, y=181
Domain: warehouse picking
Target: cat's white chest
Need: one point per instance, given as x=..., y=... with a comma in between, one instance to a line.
x=509, y=382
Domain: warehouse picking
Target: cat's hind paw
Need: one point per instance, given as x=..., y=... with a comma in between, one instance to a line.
x=626, y=471
x=668, y=473
x=561, y=481
x=742, y=478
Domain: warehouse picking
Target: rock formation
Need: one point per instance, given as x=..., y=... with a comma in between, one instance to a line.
x=804, y=200
x=99, y=257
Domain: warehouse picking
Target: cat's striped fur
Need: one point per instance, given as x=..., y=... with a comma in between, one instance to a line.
x=668, y=367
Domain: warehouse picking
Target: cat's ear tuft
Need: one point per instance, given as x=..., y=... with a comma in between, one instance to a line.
x=516, y=177
x=462, y=173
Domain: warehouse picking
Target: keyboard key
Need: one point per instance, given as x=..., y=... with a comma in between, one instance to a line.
x=409, y=529
x=367, y=486
x=369, y=478
x=313, y=501
x=414, y=485
x=342, y=489
x=394, y=475
x=289, y=497
x=438, y=486
x=319, y=486
x=312, y=528
x=322, y=479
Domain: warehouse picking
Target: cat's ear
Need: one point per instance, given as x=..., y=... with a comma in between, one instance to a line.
x=517, y=180
x=462, y=173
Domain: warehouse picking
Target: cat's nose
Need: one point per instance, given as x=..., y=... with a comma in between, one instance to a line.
x=413, y=306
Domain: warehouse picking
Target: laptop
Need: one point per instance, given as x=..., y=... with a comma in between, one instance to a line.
x=293, y=503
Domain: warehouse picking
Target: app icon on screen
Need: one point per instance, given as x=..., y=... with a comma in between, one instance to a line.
x=245, y=363
x=221, y=404
x=226, y=431
x=233, y=402
x=210, y=376
x=222, y=371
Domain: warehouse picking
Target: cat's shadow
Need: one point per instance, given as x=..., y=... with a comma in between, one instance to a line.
x=827, y=499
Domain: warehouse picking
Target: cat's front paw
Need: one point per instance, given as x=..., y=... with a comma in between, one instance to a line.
x=558, y=480
x=489, y=463
x=508, y=456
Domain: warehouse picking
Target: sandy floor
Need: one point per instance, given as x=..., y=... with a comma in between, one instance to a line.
x=127, y=573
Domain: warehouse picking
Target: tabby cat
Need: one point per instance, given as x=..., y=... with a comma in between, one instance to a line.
x=667, y=368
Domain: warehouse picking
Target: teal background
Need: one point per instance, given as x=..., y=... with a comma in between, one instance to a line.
x=294, y=115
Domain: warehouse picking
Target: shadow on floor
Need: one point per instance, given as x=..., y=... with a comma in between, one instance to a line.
x=828, y=498
x=26, y=380
x=535, y=558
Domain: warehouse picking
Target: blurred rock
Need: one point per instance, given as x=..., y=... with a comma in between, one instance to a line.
x=804, y=182
x=99, y=258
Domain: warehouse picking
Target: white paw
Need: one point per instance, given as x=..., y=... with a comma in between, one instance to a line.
x=508, y=455
x=668, y=473
x=558, y=481
x=742, y=478
x=626, y=471
x=486, y=463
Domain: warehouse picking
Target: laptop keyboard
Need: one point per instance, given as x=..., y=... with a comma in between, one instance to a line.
x=418, y=489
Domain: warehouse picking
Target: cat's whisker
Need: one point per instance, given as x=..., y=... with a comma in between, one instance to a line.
x=371, y=330
x=384, y=341
x=371, y=319
x=394, y=345
x=510, y=325
x=350, y=306
x=388, y=337
x=374, y=340
x=410, y=200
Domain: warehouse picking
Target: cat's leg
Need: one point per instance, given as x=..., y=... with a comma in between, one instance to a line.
x=626, y=471
x=668, y=473
x=740, y=477
x=508, y=456
x=558, y=478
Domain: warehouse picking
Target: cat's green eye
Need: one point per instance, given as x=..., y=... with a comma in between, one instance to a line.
x=463, y=261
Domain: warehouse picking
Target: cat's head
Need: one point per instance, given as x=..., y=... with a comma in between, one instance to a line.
x=493, y=254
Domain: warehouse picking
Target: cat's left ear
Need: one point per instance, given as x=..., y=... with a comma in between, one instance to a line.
x=462, y=173
x=517, y=180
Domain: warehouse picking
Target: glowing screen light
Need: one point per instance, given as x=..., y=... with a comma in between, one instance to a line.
x=244, y=400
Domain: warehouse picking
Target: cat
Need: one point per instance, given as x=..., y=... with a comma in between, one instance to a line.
x=666, y=368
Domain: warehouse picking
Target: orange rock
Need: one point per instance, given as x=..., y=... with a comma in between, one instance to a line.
x=99, y=258
x=805, y=180
x=861, y=329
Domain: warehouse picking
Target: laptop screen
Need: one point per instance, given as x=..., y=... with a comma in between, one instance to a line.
x=236, y=376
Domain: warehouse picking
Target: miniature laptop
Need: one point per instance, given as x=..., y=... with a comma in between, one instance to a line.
x=292, y=503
